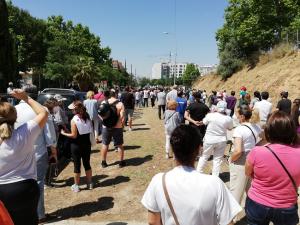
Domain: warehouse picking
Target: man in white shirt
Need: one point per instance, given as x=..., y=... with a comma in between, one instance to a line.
x=172, y=95
x=215, y=137
x=264, y=108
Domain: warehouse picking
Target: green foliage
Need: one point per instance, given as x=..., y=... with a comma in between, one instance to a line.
x=190, y=74
x=251, y=26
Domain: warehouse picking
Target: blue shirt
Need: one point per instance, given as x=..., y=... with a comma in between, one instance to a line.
x=181, y=107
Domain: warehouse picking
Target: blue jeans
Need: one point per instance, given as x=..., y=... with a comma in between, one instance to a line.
x=42, y=166
x=258, y=214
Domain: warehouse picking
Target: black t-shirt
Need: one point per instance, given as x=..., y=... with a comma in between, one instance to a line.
x=197, y=110
x=128, y=100
x=285, y=105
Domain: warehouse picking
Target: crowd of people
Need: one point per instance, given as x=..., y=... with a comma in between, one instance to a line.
x=263, y=163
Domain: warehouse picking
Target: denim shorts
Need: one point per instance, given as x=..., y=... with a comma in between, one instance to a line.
x=258, y=214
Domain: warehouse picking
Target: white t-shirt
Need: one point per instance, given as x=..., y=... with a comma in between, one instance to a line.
x=146, y=94
x=172, y=95
x=17, y=157
x=217, y=126
x=247, y=137
x=196, y=198
x=265, y=108
x=83, y=127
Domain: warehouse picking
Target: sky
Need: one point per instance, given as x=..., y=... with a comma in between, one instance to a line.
x=143, y=32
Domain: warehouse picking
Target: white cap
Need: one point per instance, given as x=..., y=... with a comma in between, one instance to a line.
x=221, y=106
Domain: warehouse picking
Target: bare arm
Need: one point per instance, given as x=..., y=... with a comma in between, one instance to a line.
x=73, y=133
x=42, y=115
x=188, y=118
x=122, y=114
x=154, y=218
x=248, y=169
x=238, y=149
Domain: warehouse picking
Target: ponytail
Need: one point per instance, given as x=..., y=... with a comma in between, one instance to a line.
x=8, y=117
x=6, y=131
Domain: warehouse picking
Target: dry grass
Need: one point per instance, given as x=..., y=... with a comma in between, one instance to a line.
x=271, y=74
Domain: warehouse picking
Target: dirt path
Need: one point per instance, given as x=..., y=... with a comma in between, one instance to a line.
x=118, y=192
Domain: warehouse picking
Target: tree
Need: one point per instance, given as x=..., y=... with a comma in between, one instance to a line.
x=7, y=57
x=86, y=72
x=190, y=74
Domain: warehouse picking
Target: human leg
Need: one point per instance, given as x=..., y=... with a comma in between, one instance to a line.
x=168, y=145
x=218, y=157
x=287, y=216
x=106, y=139
x=159, y=111
x=207, y=149
x=76, y=156
x=86, y=156
x=256, y=213
x=42, y=166
x=21, y=201
x=96, y=128
x=238, y=181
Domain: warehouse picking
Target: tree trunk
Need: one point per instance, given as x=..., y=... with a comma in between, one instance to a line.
x=7, y=58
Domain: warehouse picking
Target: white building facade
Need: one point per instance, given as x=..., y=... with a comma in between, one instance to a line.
x=166, y=70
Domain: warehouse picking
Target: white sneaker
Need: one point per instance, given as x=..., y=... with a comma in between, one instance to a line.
x=130, y=129
x=90, y=186
x=75, y=188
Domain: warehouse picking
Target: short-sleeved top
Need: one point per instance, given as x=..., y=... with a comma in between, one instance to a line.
x=17, y=159
x=231, y=101
x=196, y=198
x=217, y=126
x=146, y=94
x=197, y=110
x=264, y=108
x=271, y=186
x=161, y=98
x=284, y=105
x=172, y=95
x=128, y=100
x=91, y=106
x=181, y=105
x=248, y=140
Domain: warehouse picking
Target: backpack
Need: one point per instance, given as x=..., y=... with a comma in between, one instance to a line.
x=109, y=113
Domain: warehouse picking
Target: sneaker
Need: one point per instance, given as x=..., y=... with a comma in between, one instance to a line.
x=75, y=188
x=167, y=156
x=104, y=164
x=122, y=163
x=90, y=186
x=130, y=129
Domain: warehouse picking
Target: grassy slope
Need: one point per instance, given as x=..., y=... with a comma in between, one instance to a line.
x=273, y=75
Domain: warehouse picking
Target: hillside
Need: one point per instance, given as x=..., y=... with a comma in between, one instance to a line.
x=272, y=75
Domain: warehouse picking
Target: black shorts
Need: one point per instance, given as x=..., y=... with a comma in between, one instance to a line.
x=115, y=133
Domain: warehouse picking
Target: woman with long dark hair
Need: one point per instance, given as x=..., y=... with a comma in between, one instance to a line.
x=295, y=113
x=81, y=128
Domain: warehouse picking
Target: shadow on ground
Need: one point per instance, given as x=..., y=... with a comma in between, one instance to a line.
x=141, y=128
x=68, y=182
x=112, y=181
x=132, y=147
x=117, y=223
x=85, y=209
x=138, y=160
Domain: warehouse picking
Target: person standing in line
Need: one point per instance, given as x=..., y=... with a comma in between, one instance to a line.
x=264, y=108
x=153, y=98
x=172, y=95
x=295, y=113
x=284, y=104
x=19, y=190
x=92, y=106
x=196, y=112
x=181, y=105
x=245, y=137
x=81, y=129
x=275, y=173
x=256, y=98
x=206, y=199
x=47, y=138
x=172, y=120
x=137, y=98
x=128, y=101
x=145, y=97
x=115, y=132
x=215, y=137
x=231, y=102
x=161, y=102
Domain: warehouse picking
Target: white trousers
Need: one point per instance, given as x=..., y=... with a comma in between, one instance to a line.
x=239, y=182
x=217, y=149
x=168, y=144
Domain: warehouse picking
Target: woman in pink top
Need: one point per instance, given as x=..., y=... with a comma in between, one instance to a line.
x=273, y=194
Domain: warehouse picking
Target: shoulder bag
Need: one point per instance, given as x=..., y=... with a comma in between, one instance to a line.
x=168, y=199
x=291, y=178
x=251, y=131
